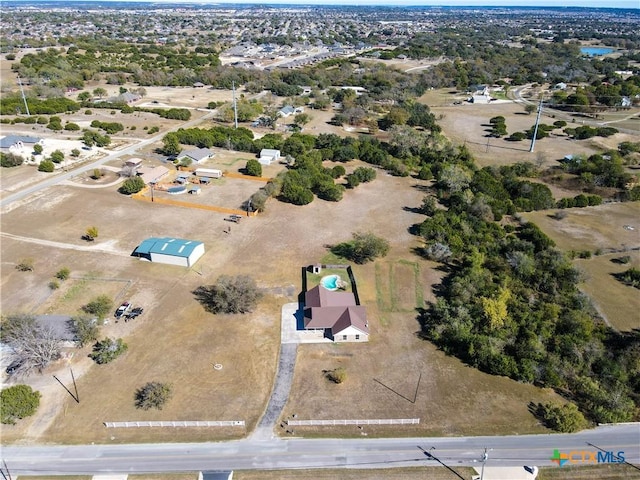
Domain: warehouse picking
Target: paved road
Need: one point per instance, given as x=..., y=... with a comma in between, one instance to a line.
x=317, y=453
x=61, y=177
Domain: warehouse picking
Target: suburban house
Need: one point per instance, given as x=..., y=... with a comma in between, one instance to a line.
x=130, y=167
x=173, y=251
x=269, y=156
x=59, y=326
x=197, y=155
x=126, y=97
x=152, y=174
x=286, y=111
x=335, y=313
x=18, y=142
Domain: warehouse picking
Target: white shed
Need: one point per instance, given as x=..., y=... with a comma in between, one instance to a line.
x=208, y=172
x=269, y=156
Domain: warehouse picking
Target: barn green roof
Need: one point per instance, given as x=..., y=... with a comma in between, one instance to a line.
x=176, y=247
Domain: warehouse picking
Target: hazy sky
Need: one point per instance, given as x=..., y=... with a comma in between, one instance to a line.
x=502, y=3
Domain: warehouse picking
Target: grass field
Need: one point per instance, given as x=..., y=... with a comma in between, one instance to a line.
x=601, y=230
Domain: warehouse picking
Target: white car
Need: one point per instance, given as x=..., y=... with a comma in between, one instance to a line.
x=122, y=309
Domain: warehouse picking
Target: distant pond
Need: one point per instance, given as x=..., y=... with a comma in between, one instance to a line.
x=596, y=51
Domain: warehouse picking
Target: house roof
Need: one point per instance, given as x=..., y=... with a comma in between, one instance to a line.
x=287, y=110
x=11, y=140
x=176, y=247
x=197, y=154
x=58, y=324
x=152, y=174
x=335, y=310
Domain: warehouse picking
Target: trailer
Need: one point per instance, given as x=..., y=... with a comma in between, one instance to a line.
x=208, y=172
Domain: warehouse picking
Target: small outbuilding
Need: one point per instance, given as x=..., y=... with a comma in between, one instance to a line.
x=269, y=156
x=173, y=251
x=208, y=173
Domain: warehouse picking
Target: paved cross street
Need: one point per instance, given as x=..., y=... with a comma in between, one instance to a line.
x=273, y=453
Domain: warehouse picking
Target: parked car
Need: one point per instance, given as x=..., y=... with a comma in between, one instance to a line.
x=13, y=368
x=122, y=309
x=135, y=313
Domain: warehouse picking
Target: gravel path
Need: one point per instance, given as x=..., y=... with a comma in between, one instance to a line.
x=279, y=394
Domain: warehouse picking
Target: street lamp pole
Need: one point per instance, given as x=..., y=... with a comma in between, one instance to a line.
x=485, y=456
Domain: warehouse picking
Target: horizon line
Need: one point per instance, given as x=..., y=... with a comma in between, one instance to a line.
x=591, y=4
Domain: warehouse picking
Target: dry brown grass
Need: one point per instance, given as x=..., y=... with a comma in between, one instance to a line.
x=383, y=375
x=601, y=229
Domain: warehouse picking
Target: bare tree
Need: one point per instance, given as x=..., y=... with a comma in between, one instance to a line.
x=34, y=345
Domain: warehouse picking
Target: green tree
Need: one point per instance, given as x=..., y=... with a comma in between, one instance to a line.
x=100, y=306
x=57, y=156
x=46, y=166
x=364, y=247
x=17, y=402
x=153, y=395
x=132, y=185
x=85, y=328
x=253, y=168
x=37, y=149
x=99, y=92
x=107, y=350
x=238, y=294
x=8, y=160
x=75, y=153
x=564, y=418
x=529, y=108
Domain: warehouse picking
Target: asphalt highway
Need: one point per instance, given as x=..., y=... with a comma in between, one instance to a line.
x=303, y=454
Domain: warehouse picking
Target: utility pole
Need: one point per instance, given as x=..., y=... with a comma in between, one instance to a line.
x=485, y=456
x=535, y=130
x=24, y=99
x=235, y=105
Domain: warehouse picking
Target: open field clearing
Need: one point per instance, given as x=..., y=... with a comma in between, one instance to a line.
x=601, y=228
x=467, y=124
x=177, y=342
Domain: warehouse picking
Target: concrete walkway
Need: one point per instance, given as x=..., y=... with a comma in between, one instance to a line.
x=279, y=394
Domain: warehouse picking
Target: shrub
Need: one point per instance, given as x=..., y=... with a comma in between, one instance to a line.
x=253, y=168
x=561, y=418
x=153, y=395
x=57, y=156
x=54, y=285
x=25, y=265
x=72, y=127
x=63, y=273
x=238, y=294
x=132, y=185
x=18, y=402
x=364, y=247
x=99, y=306
x=10, y=160
x=46, y=166
x=338, y=375
x=107, y=350
x=338, y=171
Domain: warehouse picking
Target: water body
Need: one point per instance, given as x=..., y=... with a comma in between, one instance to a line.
x=596, y=51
